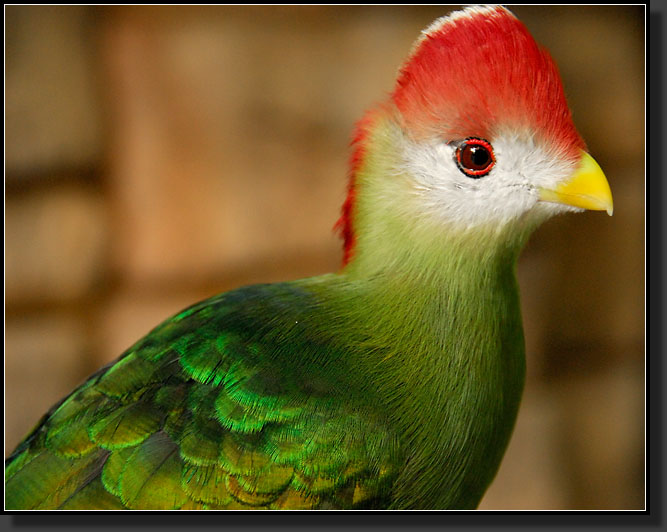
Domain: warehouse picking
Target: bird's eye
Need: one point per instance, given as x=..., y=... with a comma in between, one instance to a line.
x=475, y=157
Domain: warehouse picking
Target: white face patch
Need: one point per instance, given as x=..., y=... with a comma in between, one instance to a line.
x=510, y=190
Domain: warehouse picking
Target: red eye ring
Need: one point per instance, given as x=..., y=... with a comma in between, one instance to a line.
x=474, y=157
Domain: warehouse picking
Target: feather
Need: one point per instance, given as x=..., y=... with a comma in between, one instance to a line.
x=151, y=477
x=394, y=383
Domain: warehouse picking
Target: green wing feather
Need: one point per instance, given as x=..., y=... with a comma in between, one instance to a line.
x=223, y=406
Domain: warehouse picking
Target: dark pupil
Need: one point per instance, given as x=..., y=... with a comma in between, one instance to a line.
x=476, y=157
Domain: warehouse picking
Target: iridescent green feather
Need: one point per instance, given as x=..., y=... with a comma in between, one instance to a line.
x=202, y=413
x=93, y=495
x=206, y=484
x=49, y=480
x=151, y=476
x=113, y=468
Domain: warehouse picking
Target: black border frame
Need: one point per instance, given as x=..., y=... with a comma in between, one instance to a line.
x=651, y=517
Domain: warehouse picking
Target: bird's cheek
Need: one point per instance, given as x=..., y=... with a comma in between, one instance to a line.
x=586, y=188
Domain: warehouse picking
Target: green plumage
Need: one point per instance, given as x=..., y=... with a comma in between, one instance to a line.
x=264, y=397
x=394, y=383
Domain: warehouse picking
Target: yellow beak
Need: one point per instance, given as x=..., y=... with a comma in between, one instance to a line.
x=587, y=188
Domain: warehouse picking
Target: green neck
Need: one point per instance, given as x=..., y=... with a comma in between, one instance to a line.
x=446, y=356
x=438, y=312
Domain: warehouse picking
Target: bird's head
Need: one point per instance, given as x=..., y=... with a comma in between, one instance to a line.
x=476, y=137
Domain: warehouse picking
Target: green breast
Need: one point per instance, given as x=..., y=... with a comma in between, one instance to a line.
x=445, y=357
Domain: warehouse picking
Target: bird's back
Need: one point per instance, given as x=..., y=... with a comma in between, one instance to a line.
x=236, y=402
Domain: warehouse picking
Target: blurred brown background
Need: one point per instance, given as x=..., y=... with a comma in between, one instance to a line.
x=159, y=155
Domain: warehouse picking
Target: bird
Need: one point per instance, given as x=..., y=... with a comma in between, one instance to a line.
x=392, y=383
